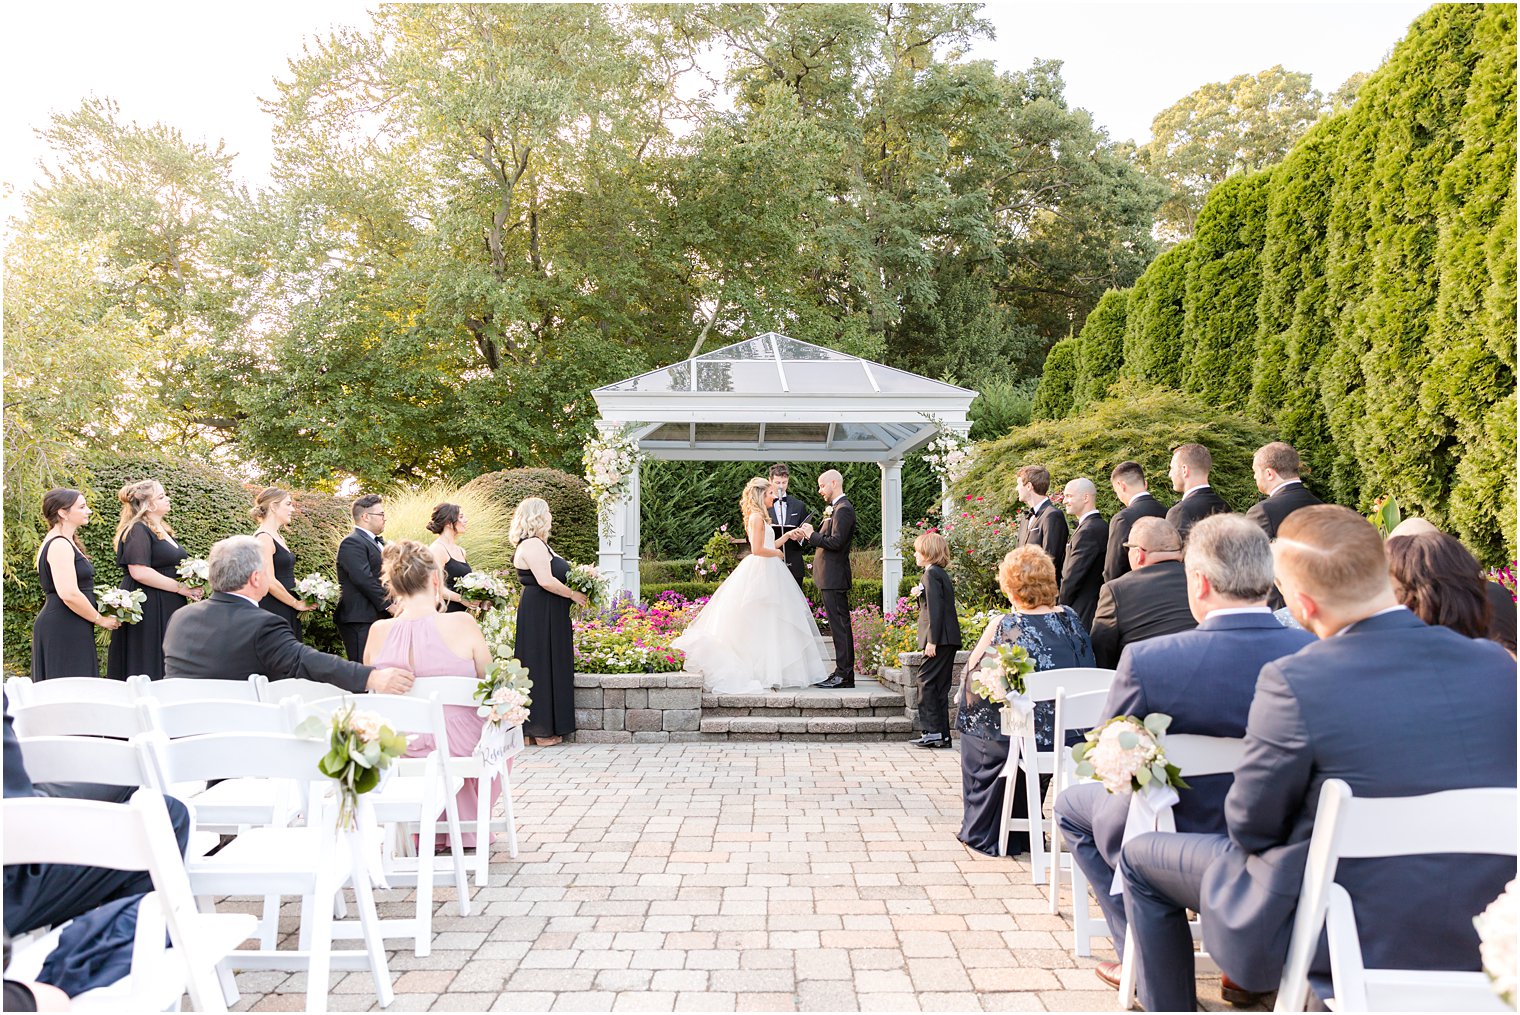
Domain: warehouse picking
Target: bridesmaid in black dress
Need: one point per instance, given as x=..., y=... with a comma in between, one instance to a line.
x=149, y=557
x=63, y=635
x=545, y=643
x=272, y=509
x=448, y=522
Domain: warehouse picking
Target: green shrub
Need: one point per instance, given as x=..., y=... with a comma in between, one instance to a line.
x=688, y=589
x=1058, y=382
x=1001, y=406
x=575, y=524
x=1137, y=423
x=979, y=536
x=718, y=557
x=653, y=571
x=1153, y=333
x=1102, y=348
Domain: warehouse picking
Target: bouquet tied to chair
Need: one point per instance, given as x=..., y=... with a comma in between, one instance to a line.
x=1001, y=679
x=359, y=747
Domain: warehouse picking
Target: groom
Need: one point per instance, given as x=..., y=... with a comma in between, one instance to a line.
x=831, y=573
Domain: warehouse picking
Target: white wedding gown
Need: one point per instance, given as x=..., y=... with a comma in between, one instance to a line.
x=756, y=632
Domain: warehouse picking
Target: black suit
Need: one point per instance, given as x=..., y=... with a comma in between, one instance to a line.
x=1269, y=514
x=1501, y=627
x=792, y=511
x=1046, y=528
x=361, y=600
x=831, y=574
x=227, y=637
x=1142, y=505
x=1143, y=604
x=1195, y=505
x=1083, y=575
x=938, y=626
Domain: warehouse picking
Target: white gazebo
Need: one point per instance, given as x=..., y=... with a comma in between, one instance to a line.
x=773, y=398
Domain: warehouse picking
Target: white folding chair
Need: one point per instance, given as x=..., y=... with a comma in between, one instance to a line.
x=84, y=759
x=93, y=690
x=17, y=689
x=461, y=691
x=1025, y=755
x=133, y=836
x=120, y=720
x=1467, y=821
x=1073, y=712
x=411, y=798
x=272, y=691
x=1195, y=755
x=175, y=689
x=313, y=862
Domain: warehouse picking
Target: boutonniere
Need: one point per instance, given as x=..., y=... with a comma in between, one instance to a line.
x=916, y=590
x=828, y=512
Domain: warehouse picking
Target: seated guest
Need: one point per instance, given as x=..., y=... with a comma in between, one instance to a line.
x=228, y=637
x=1082, y=574
x=427, y=643
x=1412, y=578
x=1383, y=701
x=1204, y=679
x=1128, y=481
x=1054, y=639
x=1149, y=601
x=1189, y=474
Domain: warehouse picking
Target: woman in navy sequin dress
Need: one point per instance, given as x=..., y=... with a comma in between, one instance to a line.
x=1054, y=637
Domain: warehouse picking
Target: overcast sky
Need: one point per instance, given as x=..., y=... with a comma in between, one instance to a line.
x=203, y=67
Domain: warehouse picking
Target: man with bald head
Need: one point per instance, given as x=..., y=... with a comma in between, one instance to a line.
x=1149, y=601
x=1082, y=573
x=831, y=573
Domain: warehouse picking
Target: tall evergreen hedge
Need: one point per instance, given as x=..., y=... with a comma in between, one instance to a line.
x=1102, y=351
x=1359, y=298
x=1058, y=381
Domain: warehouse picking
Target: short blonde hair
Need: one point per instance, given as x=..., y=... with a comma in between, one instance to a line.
x=1028, y=575
x=934, y=547
x=530, y=520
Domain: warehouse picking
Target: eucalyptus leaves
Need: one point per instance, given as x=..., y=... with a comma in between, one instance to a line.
x=1126, y=754
x=359, y=747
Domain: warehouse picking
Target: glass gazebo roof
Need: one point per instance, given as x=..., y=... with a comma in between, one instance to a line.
x=774, y=397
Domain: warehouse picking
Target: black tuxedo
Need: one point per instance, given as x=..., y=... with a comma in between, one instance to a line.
x=939, y=626
x=361, y=600
x=831, y=574
x=1269, y=513
x=1116, y=561
x=227, y=637
x=1194, y=507
x=792, y=511
x=1083, y=574
x=1046, y=528
x=1143, y=604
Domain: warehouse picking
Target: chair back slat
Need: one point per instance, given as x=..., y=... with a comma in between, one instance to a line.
x=1201, y=755
x=273, y=691
x=89, y=690
x=79, y=719
x=87, y=833
x=1453, y=821
x=211, y=756
x=1078, y=711
x=177, y=689
x=447, y=690
x=219, y=715
x=84, y=759
x=1042, y=685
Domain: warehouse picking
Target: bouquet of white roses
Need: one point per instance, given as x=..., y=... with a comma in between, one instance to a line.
x=591, y=583
x=503, y=694
x=194, y=572
x=1126, y=754
x=482, y=587
x=1002, y=673
x=1499, y=942
x=319, y=590
x=123, y=605
x=359, y=747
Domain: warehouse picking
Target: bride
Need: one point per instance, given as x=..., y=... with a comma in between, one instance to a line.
x=756, y=633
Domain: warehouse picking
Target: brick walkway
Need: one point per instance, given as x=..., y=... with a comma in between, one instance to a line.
x=748, y=877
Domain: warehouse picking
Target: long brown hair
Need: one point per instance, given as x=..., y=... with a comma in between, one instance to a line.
x=1440, y=581
x=135, y=498
x=54, y=504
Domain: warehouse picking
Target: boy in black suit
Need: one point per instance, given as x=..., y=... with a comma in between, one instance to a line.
x=939, y=638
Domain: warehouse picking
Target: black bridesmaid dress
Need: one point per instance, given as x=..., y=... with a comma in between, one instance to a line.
x=546, y=646
x=139, y=648
x=285, y=574
x=453, y=570
x=63, y=642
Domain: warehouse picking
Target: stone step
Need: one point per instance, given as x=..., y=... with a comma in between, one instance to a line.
x=788, y=727
x=867, y=696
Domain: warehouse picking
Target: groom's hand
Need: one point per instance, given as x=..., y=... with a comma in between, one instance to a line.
x=807, y=530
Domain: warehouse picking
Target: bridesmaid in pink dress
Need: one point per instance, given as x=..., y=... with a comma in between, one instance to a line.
x=431, y=644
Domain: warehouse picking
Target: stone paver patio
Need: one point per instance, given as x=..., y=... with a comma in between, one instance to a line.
x=734, y=877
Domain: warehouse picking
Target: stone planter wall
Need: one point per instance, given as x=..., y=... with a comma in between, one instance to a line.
x=637, y=708
x=904, y=680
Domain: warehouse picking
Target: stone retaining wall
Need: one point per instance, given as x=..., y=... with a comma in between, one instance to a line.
x=637, y=708
x=904, y=680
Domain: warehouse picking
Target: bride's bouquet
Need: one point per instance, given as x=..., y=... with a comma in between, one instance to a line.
x=483, y=587
x=123, y=605
x=1126, y=755
x=591, y=583
x=194, y=572
x=319, y=590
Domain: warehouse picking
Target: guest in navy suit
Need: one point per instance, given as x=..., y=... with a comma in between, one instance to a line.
x=1203, y=679
x=1383, y=701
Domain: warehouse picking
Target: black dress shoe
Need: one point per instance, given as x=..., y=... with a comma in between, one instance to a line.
x=826, y=682
x=1237, y=995
x=935, y=741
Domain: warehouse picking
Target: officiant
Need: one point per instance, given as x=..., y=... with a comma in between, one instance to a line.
x=786, y=514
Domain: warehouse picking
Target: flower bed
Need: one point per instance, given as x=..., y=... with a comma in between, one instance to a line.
x=632, y=637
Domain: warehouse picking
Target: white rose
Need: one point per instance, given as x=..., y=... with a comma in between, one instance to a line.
x=367, y=725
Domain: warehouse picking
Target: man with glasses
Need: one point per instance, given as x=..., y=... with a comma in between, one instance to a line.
x=361, y=600
x=1149, y=601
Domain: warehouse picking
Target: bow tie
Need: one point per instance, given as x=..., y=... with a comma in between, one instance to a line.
x=379, y=541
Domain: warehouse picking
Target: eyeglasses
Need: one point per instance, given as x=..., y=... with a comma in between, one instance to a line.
x=375, y=514
x=1152, y=549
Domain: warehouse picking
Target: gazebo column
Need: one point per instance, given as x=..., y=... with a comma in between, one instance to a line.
x=618, y=539
x=891, y=531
